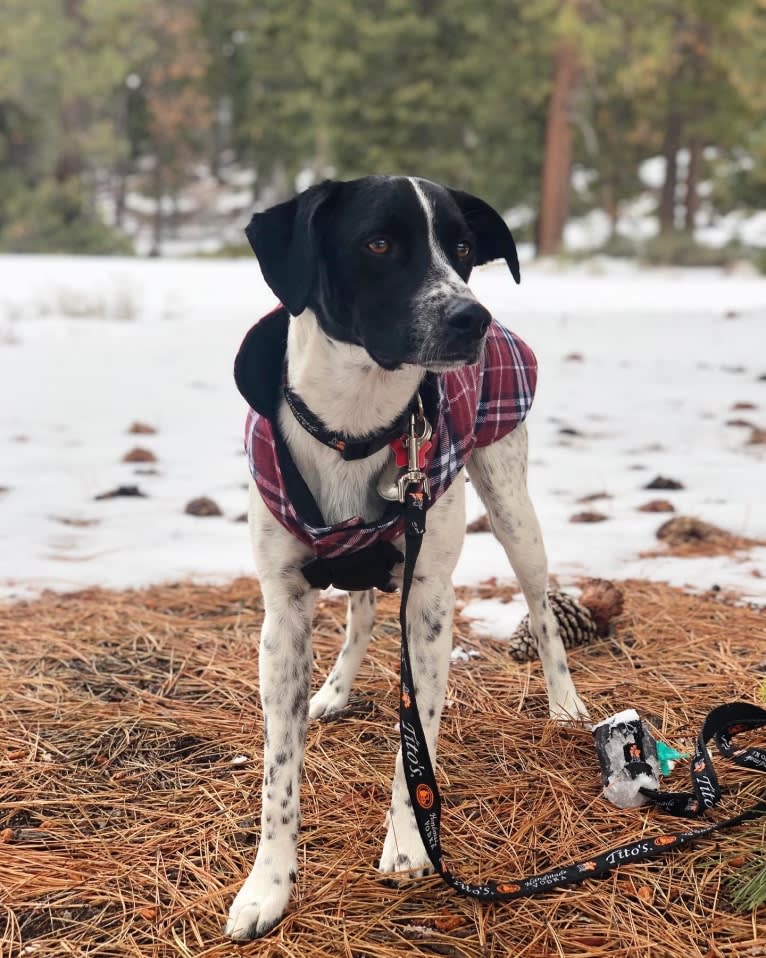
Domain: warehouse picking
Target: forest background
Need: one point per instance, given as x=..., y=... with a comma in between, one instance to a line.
x=156, y=128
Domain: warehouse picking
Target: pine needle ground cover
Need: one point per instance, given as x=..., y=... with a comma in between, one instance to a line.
x=130, y=736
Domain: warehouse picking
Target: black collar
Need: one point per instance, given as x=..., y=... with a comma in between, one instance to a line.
x=350, y=448
x=259, y=374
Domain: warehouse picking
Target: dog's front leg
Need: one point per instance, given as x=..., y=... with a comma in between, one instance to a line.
x=429, y=631
x=337, y=686
x=285, y=677
x=499, y=475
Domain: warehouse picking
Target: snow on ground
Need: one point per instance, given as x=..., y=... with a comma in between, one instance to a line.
x=88, y=345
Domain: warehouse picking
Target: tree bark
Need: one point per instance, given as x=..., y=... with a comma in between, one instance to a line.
x=69, y=162
x=158, y=220
x=670, y=147
x=692, y=183
x=557, y=157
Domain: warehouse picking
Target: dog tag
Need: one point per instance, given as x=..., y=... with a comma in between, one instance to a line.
x=388, y=481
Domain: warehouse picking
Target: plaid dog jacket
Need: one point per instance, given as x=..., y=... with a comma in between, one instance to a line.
x=468, y=407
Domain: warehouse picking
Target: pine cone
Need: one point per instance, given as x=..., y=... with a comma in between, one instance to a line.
x=576, y=624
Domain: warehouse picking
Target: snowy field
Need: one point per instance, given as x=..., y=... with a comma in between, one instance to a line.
x=89, y=345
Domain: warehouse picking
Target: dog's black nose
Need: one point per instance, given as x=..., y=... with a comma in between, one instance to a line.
x=467, y=318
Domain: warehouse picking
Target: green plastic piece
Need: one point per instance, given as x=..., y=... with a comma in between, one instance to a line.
x=667, y=755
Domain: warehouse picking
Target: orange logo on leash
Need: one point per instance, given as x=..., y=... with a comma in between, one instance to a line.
x=665, y=840
x=424, y=796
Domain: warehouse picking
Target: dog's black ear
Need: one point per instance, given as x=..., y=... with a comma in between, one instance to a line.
x=494, y=237
x=284, y=238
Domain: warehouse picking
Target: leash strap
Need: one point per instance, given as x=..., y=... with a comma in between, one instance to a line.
x=721, y=724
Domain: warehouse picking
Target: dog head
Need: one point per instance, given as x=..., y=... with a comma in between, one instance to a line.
x=383, y=262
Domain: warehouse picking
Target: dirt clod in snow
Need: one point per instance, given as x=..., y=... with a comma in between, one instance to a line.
x=203, y=506
x=662, y=482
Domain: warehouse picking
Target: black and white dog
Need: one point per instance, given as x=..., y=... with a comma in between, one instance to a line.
x=375, y=273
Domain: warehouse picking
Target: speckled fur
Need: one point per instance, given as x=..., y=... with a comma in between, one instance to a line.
x=370, y=399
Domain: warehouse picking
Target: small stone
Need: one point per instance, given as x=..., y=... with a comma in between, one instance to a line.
x=202, y=507
x=744, y=405
x=139, y=454
x=757, y=437
x=740, y=422
x=657, y=505
x=242, y=517
x=731, y=314
x=574, y=358
x=139, y=428
x=126, y=491
x=662, y=482
x=569, y=431
x=589, y=517
x=479, y=525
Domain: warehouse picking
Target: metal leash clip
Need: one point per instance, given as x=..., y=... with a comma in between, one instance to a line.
x=408, y=462
x=418, y=442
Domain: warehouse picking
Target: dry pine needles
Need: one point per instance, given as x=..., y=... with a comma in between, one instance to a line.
x=130, y=771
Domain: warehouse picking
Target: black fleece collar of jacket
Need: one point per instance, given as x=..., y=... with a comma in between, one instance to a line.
x=258, y=368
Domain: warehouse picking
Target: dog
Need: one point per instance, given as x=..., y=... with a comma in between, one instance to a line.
x=372, y=275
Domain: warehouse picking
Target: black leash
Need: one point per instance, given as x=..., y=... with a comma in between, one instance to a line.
x=722, y=724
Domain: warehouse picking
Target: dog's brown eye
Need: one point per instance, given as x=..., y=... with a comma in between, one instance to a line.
x=463, y=250
x=379, y=246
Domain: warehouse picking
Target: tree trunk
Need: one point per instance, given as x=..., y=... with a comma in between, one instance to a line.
x=69, y=162
x=670, y=147
x=557, y=158
x=120, y=194
x=278, y=189
x=158, y=221
x=610, y=205
x=121, y=164
x=692, y=182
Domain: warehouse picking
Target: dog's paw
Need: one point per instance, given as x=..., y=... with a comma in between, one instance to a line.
x=570, y=710
x=260, y=903
x=332, y=697
x=404, y=870
x=406, y=858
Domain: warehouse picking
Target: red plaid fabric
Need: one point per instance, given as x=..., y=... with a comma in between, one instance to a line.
x=478, y=405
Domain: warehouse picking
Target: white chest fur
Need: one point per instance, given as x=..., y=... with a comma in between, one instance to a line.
x=342, y=385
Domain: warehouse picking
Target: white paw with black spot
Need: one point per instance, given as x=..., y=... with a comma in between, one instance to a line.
x=407, y=856
x=260, y=903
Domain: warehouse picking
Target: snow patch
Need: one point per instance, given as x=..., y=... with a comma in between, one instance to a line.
x=664, y=355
